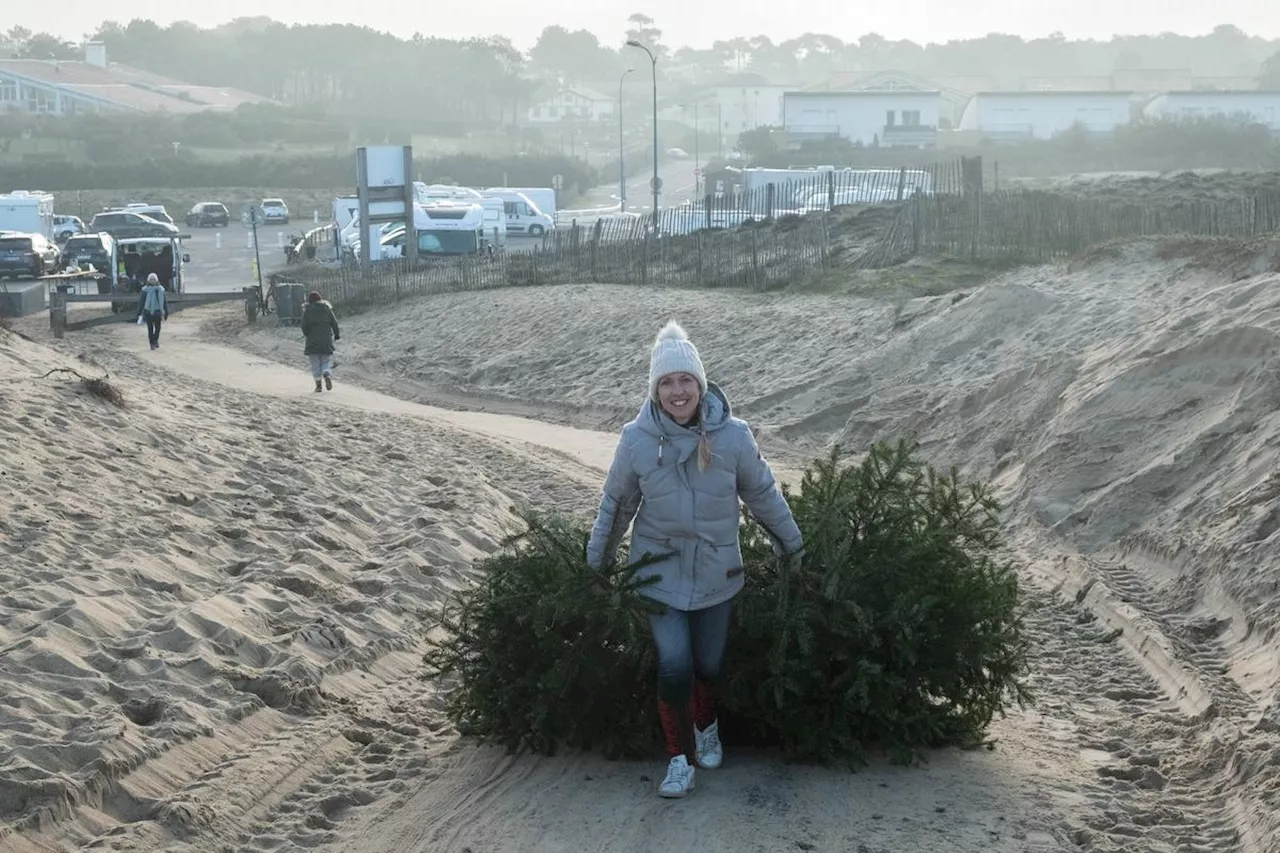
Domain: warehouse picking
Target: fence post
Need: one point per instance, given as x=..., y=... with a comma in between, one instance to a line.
x=902, y=183
x=251, y=304
x=915, y=225
x=755, y=256
x=831, y=190
x=644, y=253
x=698, y=244
x=595, y=247
x=768, y=201
x=58, y=314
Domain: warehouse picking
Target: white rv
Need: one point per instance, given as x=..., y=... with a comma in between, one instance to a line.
x=524, y=217
x=27, y=213
x=444, y=228
x=495, y=214
x=345, y=209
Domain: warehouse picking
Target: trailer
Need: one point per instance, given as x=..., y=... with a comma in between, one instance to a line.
x=27, y=212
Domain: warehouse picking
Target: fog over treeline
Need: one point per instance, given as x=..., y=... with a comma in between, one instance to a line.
x=489, y=80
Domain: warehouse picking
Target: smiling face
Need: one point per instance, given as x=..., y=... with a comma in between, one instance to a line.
x=679, y=394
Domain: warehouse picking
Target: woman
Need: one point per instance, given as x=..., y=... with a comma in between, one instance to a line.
x=679, y=470
x=153, y=304
x=320, y=330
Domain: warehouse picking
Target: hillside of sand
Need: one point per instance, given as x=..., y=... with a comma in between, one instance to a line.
x=1124, y=405
x=214, y=617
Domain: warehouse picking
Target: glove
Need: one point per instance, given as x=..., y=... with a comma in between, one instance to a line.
x=337, y=337
x=791, y=562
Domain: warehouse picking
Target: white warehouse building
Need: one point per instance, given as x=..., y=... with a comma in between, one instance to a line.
x=1255, y=106
x=1044, y=114
x=887, y=118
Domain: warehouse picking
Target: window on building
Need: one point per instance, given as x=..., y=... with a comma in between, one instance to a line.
x=41, y=100
x=8, y=91
x=911, y=118
x=890, y=118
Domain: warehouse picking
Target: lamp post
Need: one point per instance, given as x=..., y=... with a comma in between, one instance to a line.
x=657, y=182
x=622, y=150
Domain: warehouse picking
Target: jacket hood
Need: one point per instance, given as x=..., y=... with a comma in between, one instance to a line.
x=714, y=412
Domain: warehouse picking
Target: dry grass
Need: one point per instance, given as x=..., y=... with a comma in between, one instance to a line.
x=99, y=386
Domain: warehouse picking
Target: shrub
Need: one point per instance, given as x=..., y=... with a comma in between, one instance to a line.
x=901, y=628
x=548, y=652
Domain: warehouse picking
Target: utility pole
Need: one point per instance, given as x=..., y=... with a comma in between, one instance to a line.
x=656, y=183
x=622, y=148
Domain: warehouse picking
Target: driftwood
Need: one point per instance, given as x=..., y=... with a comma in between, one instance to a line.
x=98, y=386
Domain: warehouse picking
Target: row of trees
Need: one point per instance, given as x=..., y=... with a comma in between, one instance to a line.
x=1005, y=59
x=489, y=80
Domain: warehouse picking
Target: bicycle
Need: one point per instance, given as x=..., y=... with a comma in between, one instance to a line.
x=267, y=299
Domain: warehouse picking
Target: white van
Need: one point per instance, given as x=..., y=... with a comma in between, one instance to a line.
x=543, y=197
x=524, y=218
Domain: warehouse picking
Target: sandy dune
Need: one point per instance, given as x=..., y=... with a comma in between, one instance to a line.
x=210, y=623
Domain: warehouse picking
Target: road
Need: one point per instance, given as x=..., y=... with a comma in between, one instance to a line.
x=677, y=188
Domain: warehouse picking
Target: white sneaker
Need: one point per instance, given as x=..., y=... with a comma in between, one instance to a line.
x=709, y=752
x=679, y=781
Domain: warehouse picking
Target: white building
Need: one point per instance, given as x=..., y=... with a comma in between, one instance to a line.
x=747, y=102
x=907, y=118
x=574, y=104
x=94, y=85
x=1260, y=107
x=1042, y=115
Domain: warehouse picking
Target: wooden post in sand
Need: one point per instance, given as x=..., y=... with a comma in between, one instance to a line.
x=58, y=314
x=251, y=304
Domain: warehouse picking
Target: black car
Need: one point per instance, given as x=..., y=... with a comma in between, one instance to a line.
x=96, y=249
x=27, y=255
x=122, y=224
x=208, y=214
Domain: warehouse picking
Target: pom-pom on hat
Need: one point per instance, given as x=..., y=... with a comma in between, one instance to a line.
x=673, y=352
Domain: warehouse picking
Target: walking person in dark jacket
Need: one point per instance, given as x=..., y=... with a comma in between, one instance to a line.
x=320, y=331
x=153, y=305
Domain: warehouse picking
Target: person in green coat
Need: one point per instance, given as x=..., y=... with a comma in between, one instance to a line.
x=320, y=331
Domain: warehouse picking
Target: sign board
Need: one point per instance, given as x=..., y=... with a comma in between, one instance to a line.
x=655, y=184
x=557, y=182
x=384, y=189
x=385, y=166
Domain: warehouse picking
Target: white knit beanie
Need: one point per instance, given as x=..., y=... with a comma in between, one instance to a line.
x=673, y=352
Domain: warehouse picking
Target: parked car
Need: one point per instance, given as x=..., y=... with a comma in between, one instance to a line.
x=208, y=214
x=275, y=210
x=157, y=212
x=65, y=226
x=123, y=224
x=97, y=249
x=27, y=255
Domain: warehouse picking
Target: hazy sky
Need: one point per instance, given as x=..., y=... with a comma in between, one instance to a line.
x=697, y=24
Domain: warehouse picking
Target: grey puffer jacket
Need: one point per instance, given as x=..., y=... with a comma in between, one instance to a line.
x=687, y=514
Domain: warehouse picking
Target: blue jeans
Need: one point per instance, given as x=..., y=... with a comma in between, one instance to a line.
x=691, y=643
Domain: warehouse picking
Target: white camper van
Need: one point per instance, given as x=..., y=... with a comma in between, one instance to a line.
x=524, y=218
x=345, y=209
x=543, y=197
x=495, y=215
x=444, y=228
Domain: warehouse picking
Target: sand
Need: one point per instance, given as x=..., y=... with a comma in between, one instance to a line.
x=243, y=674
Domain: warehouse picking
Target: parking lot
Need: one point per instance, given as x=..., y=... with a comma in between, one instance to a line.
x=222, y=258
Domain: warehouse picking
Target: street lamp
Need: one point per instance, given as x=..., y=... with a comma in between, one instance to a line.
x=656, y=183
x=697, y=132
x=622, y=151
